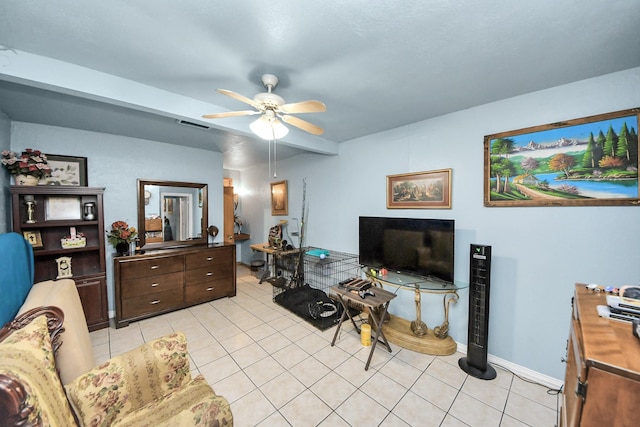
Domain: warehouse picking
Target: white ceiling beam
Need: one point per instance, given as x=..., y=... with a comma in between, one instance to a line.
x=62, y=77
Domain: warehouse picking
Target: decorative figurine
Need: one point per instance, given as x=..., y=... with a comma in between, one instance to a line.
x=29, y=200
x=64, y=267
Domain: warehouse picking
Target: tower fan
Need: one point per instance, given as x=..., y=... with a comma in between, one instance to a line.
x=475, y=363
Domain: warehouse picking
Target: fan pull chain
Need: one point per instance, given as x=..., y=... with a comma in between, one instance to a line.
x=275, y=158
x=275, y=154
x=269, y=145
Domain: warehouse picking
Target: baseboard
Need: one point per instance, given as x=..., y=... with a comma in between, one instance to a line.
x=521, y=371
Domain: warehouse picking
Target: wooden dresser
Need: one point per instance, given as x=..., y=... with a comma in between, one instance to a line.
x=602, y=380
x=160, y=281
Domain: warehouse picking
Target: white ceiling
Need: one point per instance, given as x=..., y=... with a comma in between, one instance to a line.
x=377, y=65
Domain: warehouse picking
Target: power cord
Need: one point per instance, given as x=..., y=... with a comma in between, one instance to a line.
x=550, y=391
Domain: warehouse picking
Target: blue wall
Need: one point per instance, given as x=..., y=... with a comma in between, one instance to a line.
x=116, y=162
x=539, y=253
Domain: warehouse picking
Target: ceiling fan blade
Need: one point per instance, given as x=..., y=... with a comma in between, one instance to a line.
x=240, y=98
x=302, y=124
x=231, y=114
x=304, y=107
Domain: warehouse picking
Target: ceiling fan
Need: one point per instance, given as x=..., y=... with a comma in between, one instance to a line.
x=272, y=109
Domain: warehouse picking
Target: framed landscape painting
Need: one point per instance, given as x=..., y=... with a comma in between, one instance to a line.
x=592, y=161
x=420, y=190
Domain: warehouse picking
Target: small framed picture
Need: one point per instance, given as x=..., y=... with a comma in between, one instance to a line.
x=279, y=198
x=34, y=238
x=66, y=170
x=60, y=208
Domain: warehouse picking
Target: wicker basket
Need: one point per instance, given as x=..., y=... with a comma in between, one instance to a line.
x=78, y=242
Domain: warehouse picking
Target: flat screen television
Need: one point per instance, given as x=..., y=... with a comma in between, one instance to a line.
x=423, y=247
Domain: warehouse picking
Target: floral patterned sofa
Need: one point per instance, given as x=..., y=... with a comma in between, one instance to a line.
x=48, y=377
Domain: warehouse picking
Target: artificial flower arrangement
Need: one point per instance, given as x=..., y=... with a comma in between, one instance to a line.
x=121, y=233
x=31, y=163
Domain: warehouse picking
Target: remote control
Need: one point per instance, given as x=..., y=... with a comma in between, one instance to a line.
x=366, y=292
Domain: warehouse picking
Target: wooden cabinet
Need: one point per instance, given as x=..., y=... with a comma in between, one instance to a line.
x=55, y=210
x=229, y=215
x=602, y=380
x=153, y=230
x=165, y=280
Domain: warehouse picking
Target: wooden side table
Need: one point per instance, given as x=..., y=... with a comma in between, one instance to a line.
x=377, y=304
x=272, y=254
x=267, y=249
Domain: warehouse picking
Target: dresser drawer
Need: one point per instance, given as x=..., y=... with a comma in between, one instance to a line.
x=209, y=257
x=159, y=282
x=152, y=266
x=152, y=303
x=151, y=284
x=208, y=291
x=207, y=274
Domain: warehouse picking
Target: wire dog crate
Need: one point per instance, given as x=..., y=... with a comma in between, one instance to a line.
x=304, y=282
x=318, y=273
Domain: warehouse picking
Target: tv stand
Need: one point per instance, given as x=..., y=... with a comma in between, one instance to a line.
x=416, y=335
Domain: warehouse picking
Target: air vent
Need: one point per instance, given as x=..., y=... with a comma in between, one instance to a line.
x=197, y=125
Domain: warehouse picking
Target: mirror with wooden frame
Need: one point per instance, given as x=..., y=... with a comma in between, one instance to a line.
x=171, y=214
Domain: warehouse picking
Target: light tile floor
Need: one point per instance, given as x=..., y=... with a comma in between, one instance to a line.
x=277, y=370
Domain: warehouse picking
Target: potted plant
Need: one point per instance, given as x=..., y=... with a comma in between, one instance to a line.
x=28, y=168
x=121, y=236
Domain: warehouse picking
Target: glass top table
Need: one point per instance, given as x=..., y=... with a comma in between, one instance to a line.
x=412, y=281
x=421, y=284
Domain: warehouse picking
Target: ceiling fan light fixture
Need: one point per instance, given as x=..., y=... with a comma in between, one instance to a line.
x=269, y=129
x=273, y=107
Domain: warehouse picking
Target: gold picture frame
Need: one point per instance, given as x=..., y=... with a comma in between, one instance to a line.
x=279, y=198
x=420, y=190
x=34, y=238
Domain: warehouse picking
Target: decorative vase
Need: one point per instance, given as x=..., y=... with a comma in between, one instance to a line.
x=122, y=248
x=27, y=180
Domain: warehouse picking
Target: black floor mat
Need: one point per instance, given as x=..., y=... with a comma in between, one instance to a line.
x=312, y=305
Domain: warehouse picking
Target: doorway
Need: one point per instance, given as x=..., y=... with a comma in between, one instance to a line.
x=177, y=216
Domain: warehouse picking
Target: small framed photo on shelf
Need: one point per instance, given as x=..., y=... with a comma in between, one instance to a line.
x=66, y=170
x=60, y=208
x=34, y=238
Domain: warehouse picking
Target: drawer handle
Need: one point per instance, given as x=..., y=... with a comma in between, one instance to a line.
x=210, y=258
x=210, y=289
x=209, y=274
x=153, y=267
x=153, y=285
x=154, y=302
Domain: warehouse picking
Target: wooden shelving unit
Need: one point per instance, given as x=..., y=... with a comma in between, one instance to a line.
x=56, y=210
